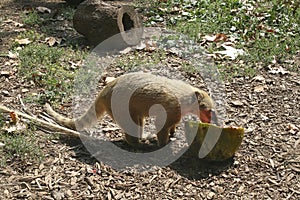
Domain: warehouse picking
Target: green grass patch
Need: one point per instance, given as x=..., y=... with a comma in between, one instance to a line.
x=136, y=60
x=19, y=146
x=49, y=69
x=31, y=18
x=266, y=30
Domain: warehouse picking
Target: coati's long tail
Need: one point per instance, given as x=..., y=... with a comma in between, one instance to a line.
x=86, y=120
x=67, y=122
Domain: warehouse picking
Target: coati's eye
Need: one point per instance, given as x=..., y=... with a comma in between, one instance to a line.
x=203, y=106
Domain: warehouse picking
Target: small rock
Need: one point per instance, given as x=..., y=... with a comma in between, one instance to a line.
x=2, y=144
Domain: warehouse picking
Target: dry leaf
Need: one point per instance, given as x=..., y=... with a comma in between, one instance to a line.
x=259, y=78
x=5, y=92
x=12, y=55
x=215, y=38
x=24, y=41
x=15, y=128
x=2, y=144
x=141, y=46
x=259, y=88
x=220, y=37
x=230, y=52
x=279, y=70
x=127, y=50
x=292, y=127
x=24, y=90
x=272, y=163
x=236, y=103
x=51, y=41
x=209, y=38
x=14, y=117
x=16, y=24
x=42, y=9
x=109, y=79
x=5, y=73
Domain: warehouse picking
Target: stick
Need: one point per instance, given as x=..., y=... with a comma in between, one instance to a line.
x=43, y=123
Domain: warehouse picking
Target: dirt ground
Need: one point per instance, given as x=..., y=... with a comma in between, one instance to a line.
x=267, y=165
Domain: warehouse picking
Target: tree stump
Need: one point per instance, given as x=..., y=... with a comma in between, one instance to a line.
x=98, y=21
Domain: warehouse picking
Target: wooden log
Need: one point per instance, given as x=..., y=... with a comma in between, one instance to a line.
x=98, y=21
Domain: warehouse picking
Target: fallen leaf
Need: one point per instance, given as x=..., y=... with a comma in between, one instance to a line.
x=220, y=37
x=230, y=52
x=42, y=9
x=2, y=144
x=12, y=55
x=24, y=90
x=236, y=103
x=279, y=70
x=292, y=127
x=109, y=79
x=14, y=117
x=51, y=41
x=296, y=143
x=259, y=88
x=17, y=24
x=7, y=21
x=110, y=129
x=5, y=73
x=258, y=78
x=24, y=41
x=127, y=50
x=272, y=163
x=15, y=128
x=209, y=38
x=5, y=93
x=141, y=46
x=215, y=38
x=57, y=195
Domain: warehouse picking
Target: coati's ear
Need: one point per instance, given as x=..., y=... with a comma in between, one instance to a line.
x=204, y=100
x=197, y=97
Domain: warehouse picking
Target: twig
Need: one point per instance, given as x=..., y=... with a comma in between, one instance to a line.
x=42, y=123
x=23, y=105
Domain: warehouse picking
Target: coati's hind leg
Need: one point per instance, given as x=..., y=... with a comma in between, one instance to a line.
x=136, y=132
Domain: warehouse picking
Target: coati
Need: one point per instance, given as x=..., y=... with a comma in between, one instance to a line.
x=144, y=94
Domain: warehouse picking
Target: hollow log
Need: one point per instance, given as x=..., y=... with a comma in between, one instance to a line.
x=98, y=21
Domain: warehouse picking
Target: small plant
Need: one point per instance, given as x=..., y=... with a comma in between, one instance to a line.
x=31, y=18
x=19, y=145
x=49, y=69
x=68, y=13
x=135, y=61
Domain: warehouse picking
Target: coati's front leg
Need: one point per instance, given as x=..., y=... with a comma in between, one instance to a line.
x=167, y=129
x=172, y=131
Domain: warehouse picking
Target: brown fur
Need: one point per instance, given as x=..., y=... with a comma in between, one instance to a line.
x=176, y=97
